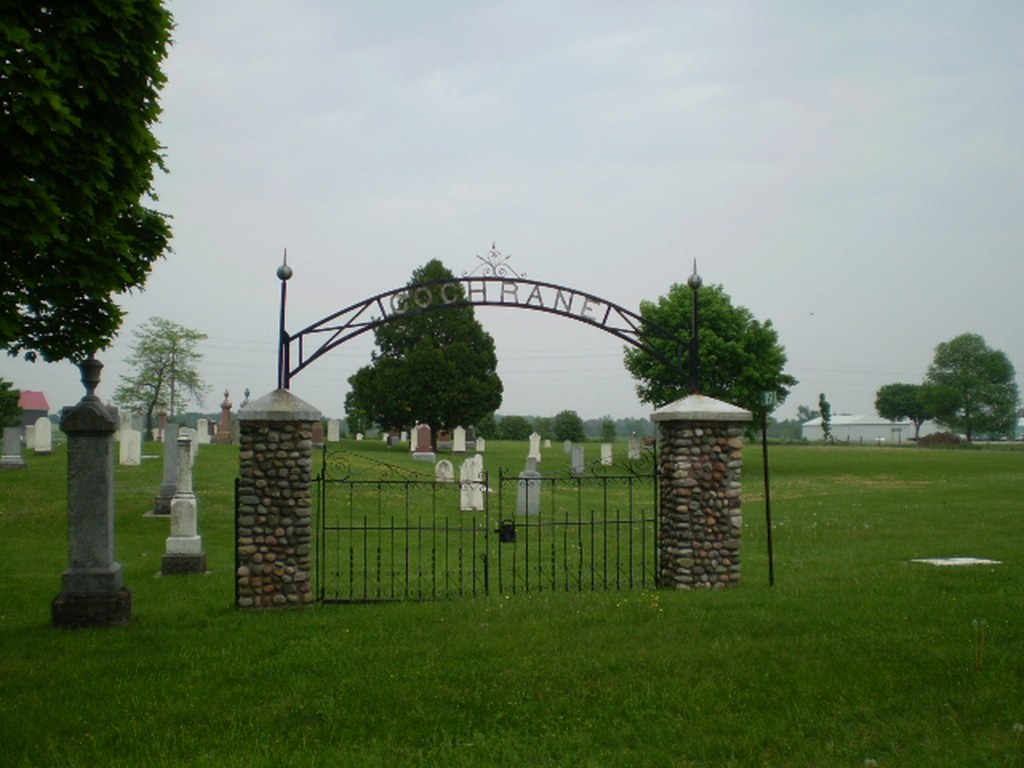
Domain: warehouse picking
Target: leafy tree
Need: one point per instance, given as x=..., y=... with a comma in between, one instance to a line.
x=607, y=429
x=740, y=357
x=10, y=412
x=514, y=428
x=972, y=388
x=165, y=359
x=487, y=427
x=78, y=88
x=568, y=425
x=826, y=416
x=904, y=401
x=436, y=366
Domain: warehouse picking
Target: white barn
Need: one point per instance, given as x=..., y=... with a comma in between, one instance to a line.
x=866, y=430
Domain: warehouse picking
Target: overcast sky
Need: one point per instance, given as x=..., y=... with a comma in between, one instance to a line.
x=853, y=172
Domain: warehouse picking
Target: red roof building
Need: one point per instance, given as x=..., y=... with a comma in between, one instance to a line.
x=33, y=405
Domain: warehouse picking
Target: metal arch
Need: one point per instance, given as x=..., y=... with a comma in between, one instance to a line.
x=356, y=319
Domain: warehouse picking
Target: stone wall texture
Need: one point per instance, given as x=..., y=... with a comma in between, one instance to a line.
x=701, y=517
x=275, y=522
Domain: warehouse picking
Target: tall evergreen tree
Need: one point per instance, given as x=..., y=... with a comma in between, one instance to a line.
x=434, y=363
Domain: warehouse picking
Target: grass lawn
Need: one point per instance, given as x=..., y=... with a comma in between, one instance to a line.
x=857, y=654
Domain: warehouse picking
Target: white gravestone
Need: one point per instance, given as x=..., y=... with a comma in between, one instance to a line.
x=471, y=490
x=528, y=492
x=634, y=447
x=534, y=447
x=30, y=437
x=202, y=431
x=577, y=460
x=44, y=436
x=184, y=553
x=606, y=454
x=333, y=430
x=444, y=471
x=130, y=448
x=567, y=446
x=459, y=440
x=481, y=445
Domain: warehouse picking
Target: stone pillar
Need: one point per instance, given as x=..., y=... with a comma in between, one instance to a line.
x=93, y=593
x=184, y=552
x=169, y=483
x=274, y=539
x=701, y=521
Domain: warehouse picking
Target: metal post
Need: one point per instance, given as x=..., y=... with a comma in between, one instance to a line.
x=767, y=400
x=284, y=273
x=694, y=282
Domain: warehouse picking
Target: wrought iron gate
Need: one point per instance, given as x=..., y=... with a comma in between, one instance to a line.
x=389, y=533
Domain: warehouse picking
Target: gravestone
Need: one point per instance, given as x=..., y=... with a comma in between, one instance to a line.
x=318, y=434
x=92, y=588
x=578, y=464
x=359, y=436
x=334, y=430
x=223, y=436
x=606, y=454
x=169, y=484
x=30, y=437
x=12, y=458
x=459, y=440
x=534, y=452
x=471, y=490
x=547, y=443
x=444, y=440
x=634, y=447
x=528, y=491
x=184, y=550
x=567, y=446
x=130, y=448
x=193, y=437
x=424, y=449
x=471, y=438
x=481, y=444
x=444, y=471
x=203, y=431
x=405, y=436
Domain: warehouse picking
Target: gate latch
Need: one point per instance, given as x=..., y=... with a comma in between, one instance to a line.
x=506, y=531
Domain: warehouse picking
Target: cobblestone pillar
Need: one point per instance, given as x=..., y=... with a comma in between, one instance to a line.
x=701, y=520
x=274, y=526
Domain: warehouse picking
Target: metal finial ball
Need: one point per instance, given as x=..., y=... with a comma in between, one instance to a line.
x=695, y=281
x=284, y=272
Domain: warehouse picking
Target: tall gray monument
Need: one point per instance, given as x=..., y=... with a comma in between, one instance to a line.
x=93, y=592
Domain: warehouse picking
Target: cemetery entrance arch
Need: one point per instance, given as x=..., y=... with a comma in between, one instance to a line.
x=300, y=350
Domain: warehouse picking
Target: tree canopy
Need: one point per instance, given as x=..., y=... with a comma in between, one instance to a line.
x=904, y=401
x=78, y=87
x=740, y=357
x=165, y=374
x=436, y=366
x=973, y=388
x=568, y=425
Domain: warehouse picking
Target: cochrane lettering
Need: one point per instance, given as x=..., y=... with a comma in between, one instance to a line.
x=499, y=292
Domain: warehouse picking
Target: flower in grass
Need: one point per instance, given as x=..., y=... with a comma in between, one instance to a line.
x=870, y=763
x=1018, y=728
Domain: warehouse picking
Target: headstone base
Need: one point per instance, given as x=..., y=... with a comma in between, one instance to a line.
x=423, y=456
x=174, y=564
x=71, y=611
x=162, y=506
x=12, y=462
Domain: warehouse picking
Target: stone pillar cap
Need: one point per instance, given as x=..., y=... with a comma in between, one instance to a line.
x=701, y=408
x=279, y=405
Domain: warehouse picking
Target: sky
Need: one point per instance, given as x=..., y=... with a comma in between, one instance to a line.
x=852, y=172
